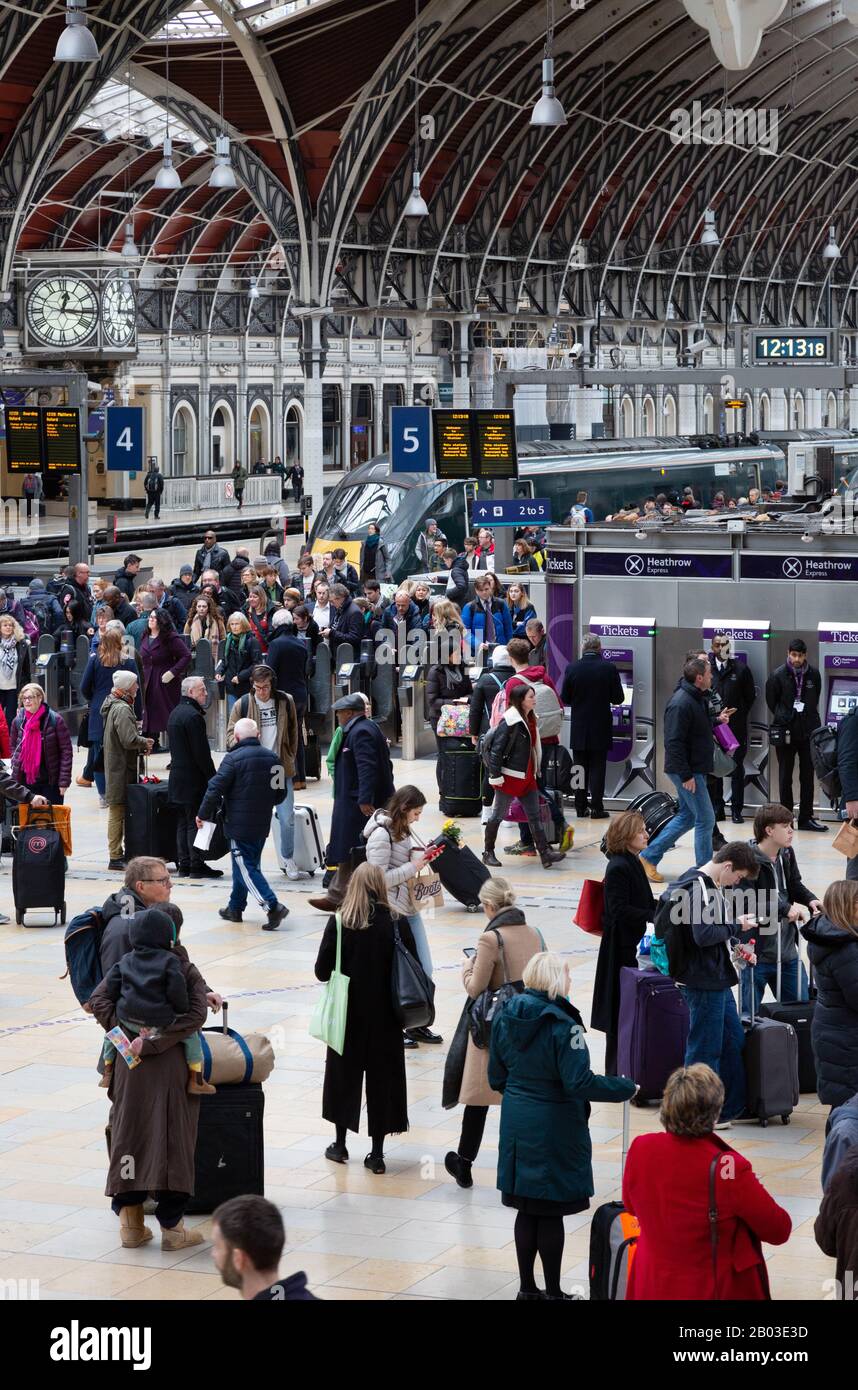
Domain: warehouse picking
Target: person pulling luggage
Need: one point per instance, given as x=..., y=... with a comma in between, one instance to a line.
x=514, y=758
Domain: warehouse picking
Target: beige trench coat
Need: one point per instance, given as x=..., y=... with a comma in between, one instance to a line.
x=520, y=942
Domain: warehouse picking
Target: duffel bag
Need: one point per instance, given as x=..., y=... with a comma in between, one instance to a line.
x=235, y=1059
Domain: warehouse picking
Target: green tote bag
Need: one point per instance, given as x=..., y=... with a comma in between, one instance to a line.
x=328, y=1023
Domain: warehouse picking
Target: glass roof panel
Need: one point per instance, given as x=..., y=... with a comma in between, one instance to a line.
x=146, y=121
x=197, y=21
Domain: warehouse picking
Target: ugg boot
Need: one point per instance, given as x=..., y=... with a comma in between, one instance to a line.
x=545, y=852
x=177, y=1238
x=198, y=1086
x=489, y=856
x=108, y=1073
x=133, y=1230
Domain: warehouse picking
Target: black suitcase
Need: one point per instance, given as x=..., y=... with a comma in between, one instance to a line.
x=462, y=874
x=657, y=809
x=312, y=755
x=230, y=1153
x=799, y=1016
x=557, y=769
x=150, y=822
x=38, y=872
x=460, y=778
x=771, y=1067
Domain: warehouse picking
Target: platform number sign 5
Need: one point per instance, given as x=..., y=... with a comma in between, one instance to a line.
x=124, y=439
x=410, y=439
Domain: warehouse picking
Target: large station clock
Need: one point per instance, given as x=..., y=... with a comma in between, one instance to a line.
x=62, y=311
x=118, y=311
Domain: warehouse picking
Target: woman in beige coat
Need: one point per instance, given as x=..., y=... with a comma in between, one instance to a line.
x=480, y=971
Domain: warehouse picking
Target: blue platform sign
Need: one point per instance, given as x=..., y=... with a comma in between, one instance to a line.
x=410, y=439
x=523, y=511
x=124, y=438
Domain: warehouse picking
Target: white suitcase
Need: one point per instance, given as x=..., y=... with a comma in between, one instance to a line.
x=309, y=846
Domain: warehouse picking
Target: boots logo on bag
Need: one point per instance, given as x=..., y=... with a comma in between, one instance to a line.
x=37, y=843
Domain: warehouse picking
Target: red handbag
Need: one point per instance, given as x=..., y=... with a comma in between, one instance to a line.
x=591, y=907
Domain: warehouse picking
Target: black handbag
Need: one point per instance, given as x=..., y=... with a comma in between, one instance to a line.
x=488, y=1005
x=83, y=730
x=219, y=845
x=412, y=991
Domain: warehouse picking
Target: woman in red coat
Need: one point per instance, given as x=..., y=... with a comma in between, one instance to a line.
x=166, y=658
x=666, y=1185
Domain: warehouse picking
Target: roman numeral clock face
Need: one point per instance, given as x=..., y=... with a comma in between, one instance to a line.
x=118, y=312
x=62, y=311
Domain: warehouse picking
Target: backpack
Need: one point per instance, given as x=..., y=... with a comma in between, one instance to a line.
x=823, y=755
x=82, y=944
x=669, y=944
x=500, y=703
x=548, y=709
x=31, y=627
x=487, y=740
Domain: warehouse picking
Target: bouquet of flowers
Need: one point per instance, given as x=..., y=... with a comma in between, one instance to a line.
x=450, y=837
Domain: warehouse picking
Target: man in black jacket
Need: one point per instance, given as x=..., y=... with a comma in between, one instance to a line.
x=125, y=578
x=183, y=589
x=847, y=767
x=346, y=619
x=704, y=930
x=231, y=574
x=590, y=688
x=77, y=587
x=490, y=681
x=688, y=753
x=153, y=486
x=792, y=695
x=210, y=555
x=459, y=582
x=191, y=768
x=784, y=902
x=346, y=573
x=734, y=685
x=249, y=783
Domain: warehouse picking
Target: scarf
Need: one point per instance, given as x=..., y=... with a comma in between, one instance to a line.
x=454, y=674
x=31, y=744
x=8, y=655
x=371, y=542
x=333, y=750
x=124, y=695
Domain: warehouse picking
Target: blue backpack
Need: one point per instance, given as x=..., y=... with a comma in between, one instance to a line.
x=82, y=944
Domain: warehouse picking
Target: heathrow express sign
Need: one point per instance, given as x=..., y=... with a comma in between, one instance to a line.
x=603, y=564
x=827, y=568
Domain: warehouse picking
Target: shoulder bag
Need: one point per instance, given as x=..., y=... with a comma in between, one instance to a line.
x=488, y=1005
x=412, y=991
x=328, y=1022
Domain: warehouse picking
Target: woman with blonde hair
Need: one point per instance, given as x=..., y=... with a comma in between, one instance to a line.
x=629, y=906
x=503, y=949
x=239, y=654
x=14, y=665
x=447, y=617
x=521, y=610
x=205, y=622
x=41, y=747
x=832, y=939
x=373, y=1042
x=539, y=1061
x=669, y=1184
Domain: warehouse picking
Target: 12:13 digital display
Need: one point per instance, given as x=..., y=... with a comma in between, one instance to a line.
x=791, y=347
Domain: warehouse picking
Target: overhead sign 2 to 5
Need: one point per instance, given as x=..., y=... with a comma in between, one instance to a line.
x=124, y=438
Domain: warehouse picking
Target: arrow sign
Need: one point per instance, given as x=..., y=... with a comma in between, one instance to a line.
x=523, y=511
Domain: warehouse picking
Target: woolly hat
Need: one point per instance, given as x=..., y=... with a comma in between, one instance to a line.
x=123, y=680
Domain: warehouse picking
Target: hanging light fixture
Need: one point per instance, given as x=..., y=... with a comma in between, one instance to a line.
x=76, y=44
x=129, y=246
x=416, y=208
x=254, y=287
x=831, y=251
x=709, y=236
x=548, y=112
x=167, y=177
x=222, y=174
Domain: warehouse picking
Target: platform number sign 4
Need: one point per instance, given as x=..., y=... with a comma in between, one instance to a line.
x=410, y=439
x=124, y=433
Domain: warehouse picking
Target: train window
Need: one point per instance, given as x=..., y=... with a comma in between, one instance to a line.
x=356, y=507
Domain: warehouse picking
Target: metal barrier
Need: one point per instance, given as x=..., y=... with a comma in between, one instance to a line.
x=214, y=493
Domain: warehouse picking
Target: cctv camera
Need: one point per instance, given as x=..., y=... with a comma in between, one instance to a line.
x=695, y=349
x=576, y=351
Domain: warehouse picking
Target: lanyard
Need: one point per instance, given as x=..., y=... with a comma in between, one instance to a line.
x=798, y=677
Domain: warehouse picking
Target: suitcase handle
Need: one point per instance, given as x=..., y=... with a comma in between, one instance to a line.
x=225, y=1008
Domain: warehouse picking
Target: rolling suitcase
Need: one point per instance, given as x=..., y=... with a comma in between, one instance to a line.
x=230, y=1155
x=613, y=1241
x=557, y=769
x=653, y=1030
x=771, y=1067
x=800, y=1017
x=312, y=755
x=462, y=874
x=309, y=846
x=38, y=869
x=150, y=822
x=460, y=778
x=657, y=809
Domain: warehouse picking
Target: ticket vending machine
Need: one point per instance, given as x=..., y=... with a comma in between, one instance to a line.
x=630, y=644
x=750, y=645
x=838, y=664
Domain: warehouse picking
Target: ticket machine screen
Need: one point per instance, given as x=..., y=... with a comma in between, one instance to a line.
x=842, y=699
x=622, y=714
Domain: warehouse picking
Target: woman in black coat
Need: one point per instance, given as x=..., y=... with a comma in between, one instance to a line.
x=629, y=905
x=833, y=952
x=373, y=1042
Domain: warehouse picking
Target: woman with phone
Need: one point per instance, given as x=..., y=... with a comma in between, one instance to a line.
x=483, y=968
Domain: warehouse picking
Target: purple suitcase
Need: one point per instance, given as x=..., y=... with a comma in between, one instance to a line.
x=653, y=1030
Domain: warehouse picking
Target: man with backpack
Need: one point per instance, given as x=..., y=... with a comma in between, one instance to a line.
x=42, y=608
x=591, y=687
x=702, y=937
x=153, y=486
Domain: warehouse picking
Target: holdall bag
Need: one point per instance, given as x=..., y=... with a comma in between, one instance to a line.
x=461, y=873
x=230, y=1059
x=328, y=1022
x=518, y=815
x=722, y=764
x=412, y=991
x=822, y=746
x=489, y=1005
x=614, y=1235
x=557, y=768
x=590, y=912
x=454, y=721
x=58, y=817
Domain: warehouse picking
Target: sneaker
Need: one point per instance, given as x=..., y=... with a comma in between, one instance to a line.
x=229, y=915
x=527, y=851
x=337, y=1153
x=102, y=801
x=275, y=917
x=568, y=840
x=651, y=871
x=293, y=873
x=723, y=1124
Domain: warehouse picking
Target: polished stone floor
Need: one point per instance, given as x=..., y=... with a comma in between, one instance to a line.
x=409, y=1234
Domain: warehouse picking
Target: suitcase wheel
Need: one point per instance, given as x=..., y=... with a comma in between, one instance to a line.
x=785, y=1119
x=19, y=918
x=764, y=1124
x=472, y=907
x=640, y=1101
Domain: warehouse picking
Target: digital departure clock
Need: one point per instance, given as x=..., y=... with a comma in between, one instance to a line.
x=779, y=346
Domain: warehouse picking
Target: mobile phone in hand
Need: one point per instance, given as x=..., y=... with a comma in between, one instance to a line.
x=469, y=951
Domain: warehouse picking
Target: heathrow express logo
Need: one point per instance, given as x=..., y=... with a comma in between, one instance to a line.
x=635, y=564
x=792, y=567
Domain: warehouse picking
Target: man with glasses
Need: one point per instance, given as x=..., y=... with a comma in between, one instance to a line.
x=210, y=555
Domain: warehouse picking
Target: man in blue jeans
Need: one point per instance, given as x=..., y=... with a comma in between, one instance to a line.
x=688, y=761
x=250, y=782
x=703, y=930
x=784, y=903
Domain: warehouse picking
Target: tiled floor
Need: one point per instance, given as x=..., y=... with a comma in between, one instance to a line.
x=409, y=1234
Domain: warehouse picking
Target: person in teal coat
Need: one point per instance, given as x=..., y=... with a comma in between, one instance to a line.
x=539, y=1061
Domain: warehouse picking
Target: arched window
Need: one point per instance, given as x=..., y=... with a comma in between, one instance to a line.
x=669, y=413
x=831, y=412
x=184, y=452
x=765, y=413
x=798, y=411
x=293, y=426
x=222, y=438
x=258, y=435
x=362, y=416
x=748, y=421
x=708, y=415
x=649, y=415
x=628, y=417
x=393, y=393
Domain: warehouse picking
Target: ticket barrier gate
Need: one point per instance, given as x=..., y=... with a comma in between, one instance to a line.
x=750, y=645
x=320, y=697
x=418, y=738
x=838, y=664
x=53, y=675
x=630, y=644
x=348, y=672
x=203, y=666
